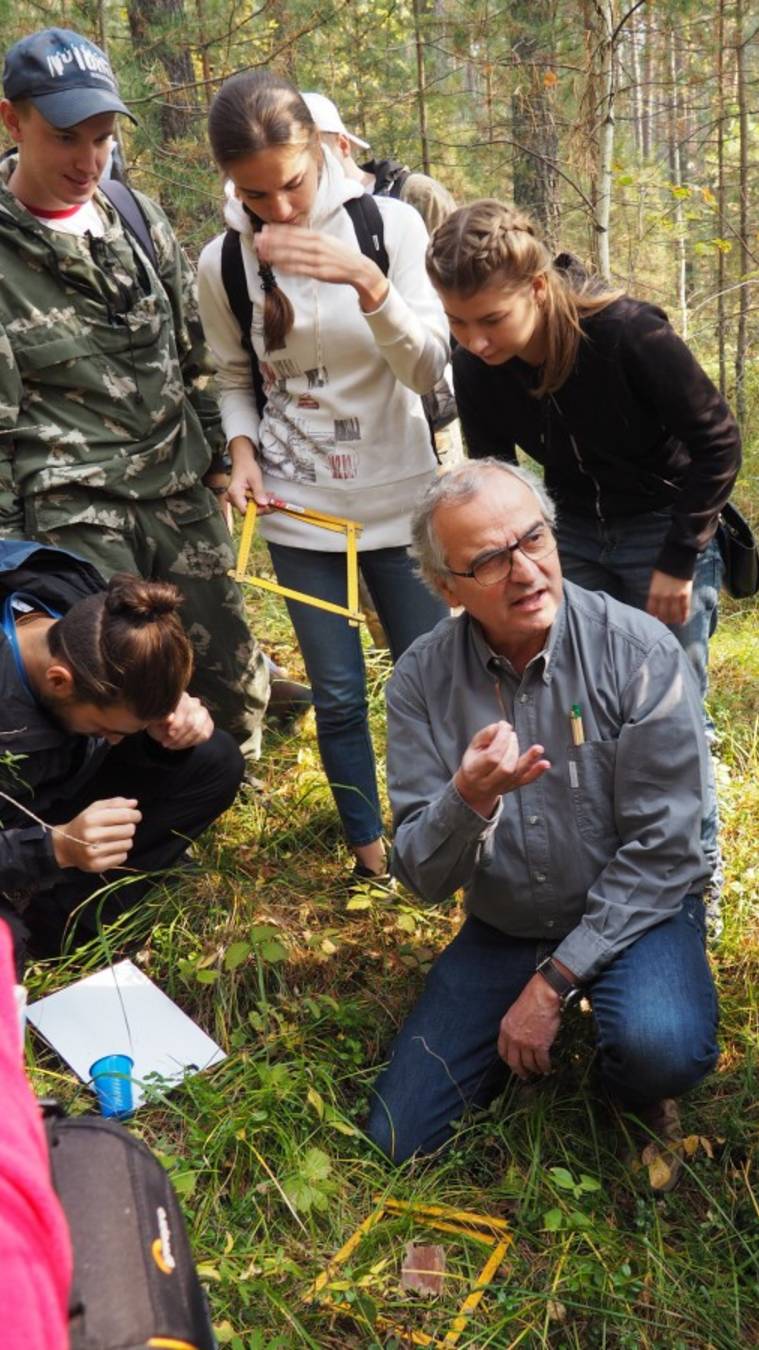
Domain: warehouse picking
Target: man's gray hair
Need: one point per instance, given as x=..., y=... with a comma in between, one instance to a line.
x=460, y=484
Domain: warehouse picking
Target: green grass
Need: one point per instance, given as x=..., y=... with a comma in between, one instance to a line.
x=303, y=989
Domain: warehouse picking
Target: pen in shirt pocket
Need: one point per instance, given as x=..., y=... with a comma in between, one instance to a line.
x=575, y=725
x=578, y=738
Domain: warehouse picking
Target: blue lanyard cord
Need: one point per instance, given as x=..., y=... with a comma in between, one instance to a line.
x=9, y=627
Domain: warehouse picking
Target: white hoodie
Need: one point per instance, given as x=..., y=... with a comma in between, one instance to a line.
x=343, y=430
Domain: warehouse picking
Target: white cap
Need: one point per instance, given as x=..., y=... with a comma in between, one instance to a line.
x=327, y=118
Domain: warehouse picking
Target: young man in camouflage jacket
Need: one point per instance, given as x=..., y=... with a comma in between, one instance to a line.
x=106, y=431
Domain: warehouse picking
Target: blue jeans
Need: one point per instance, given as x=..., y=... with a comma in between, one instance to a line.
x=655, y=1009
x=618, y=557
x=335, y=664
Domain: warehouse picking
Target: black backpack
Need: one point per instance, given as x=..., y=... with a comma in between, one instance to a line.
x=135, y=1284
x=389, y=176
x=366, y=219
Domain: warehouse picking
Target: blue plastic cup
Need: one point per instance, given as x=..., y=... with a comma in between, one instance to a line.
x=112, y=1080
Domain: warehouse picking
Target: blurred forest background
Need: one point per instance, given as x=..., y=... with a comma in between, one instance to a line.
x=628, y=128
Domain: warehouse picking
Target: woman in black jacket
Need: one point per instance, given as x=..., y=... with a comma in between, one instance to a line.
x=639, y=448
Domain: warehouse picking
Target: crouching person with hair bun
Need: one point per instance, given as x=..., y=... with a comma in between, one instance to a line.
x=109, y=768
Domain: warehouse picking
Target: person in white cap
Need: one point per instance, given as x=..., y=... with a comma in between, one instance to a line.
x=384, y=177
x=434, y=203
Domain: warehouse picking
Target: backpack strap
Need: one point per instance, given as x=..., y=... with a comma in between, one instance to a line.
x=397, y=184
x=236, y=288
x=366, y=219
x=370, y=232
x=132, y=215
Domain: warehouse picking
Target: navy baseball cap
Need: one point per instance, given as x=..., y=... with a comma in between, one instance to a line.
x=64, y=75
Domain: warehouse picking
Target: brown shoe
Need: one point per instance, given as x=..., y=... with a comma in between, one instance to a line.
x=663, y=1154
x=288, y=701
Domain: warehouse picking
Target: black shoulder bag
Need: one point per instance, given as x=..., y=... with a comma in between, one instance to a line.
x=739, y=554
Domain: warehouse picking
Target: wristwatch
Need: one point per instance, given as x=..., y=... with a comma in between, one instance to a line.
x=567, y=991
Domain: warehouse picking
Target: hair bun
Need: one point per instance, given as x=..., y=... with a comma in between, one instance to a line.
x=142, y=600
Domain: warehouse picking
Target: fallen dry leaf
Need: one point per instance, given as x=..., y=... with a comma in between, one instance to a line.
x=423, y=1269
x=659, y=1173
x=690, y=1144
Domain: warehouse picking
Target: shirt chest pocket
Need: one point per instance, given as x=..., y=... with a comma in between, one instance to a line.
x=50, y=359
x=73, y=354
x=591, y=770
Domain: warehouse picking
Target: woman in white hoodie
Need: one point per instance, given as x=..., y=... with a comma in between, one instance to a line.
x=345, y=353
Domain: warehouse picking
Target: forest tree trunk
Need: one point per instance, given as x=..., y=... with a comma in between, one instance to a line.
x=721, y=198
x=676, y=175
x=741, y=340
x=159, y=31
x=421, y=97
x=533, y=118
x=605, y=138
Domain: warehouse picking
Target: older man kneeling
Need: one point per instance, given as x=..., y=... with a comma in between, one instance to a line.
x=546, y=753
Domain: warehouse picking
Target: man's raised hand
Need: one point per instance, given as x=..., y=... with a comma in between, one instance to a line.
x=492, y=765
x=100, y=837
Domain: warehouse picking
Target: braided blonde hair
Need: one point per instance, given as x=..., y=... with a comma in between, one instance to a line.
x=489, y=243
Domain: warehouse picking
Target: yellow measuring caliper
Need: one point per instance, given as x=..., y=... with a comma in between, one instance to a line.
x=350, y=528
x=491, y=1232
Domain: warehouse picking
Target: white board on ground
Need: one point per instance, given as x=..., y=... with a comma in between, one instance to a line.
x=120, y=1011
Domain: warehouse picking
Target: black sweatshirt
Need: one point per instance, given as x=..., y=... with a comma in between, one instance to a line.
x=51, y=765
x=637, y=426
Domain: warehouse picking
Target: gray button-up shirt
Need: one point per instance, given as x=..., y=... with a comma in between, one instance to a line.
x=606, y=843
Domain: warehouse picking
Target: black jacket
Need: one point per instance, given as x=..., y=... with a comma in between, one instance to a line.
x=51, y=762
x=638, y=426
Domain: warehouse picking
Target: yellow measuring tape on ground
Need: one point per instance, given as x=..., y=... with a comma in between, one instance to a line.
x=491, y=1232
x=350, y=528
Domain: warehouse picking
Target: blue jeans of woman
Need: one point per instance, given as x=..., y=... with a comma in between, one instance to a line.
x=618, y=557
x=335, y=664
x=654, y=1006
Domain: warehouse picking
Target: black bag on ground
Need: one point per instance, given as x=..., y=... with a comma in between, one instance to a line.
x=135, y=1284
x=739, y=554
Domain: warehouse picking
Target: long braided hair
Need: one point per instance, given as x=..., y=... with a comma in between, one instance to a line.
x=489, y=243
x=254, y=111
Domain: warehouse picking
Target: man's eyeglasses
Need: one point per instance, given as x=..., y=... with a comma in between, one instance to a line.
x=535, y=544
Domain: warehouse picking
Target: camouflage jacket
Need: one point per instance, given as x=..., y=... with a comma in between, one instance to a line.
x=102, y=372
